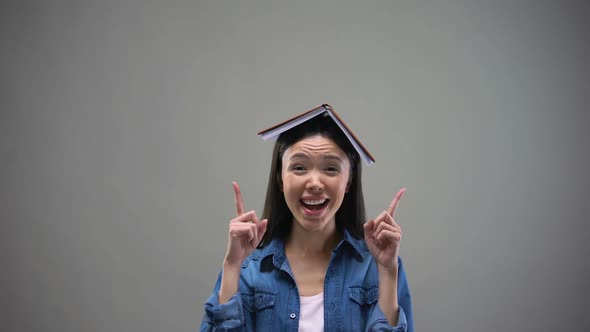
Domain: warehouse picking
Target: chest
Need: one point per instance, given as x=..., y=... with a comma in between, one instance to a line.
x=309, y=274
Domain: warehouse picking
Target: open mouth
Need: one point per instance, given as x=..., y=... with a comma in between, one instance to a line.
x=314, y=205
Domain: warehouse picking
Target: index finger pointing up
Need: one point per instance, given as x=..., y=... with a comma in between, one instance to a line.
x=395, y=201
x=239, y=200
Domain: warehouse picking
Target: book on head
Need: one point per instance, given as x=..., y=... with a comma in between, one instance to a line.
x=325, y=110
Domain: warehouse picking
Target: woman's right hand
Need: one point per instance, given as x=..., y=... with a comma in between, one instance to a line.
x=245, y=232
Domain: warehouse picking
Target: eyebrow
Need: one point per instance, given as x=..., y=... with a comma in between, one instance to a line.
x=305, y=156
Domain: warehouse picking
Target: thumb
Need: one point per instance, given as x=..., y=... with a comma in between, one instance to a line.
x=368, y=226
x=262, y=230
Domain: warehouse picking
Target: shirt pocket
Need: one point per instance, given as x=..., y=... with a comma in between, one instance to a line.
x=258, y=301
x=361, y=300
x=259, y=308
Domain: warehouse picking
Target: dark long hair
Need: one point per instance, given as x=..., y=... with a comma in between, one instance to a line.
x=350, y=215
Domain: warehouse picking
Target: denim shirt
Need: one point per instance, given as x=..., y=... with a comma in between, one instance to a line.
x=268, y=298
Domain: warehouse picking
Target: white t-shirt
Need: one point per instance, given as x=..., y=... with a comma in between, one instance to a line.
x=311, y=314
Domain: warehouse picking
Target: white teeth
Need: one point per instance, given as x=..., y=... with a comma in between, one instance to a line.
x=314, y=201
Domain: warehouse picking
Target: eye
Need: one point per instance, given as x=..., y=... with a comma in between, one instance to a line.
x=297, y=168
x=332, y=169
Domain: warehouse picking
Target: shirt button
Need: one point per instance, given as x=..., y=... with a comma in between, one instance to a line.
x=292, y=315
x=332, y=306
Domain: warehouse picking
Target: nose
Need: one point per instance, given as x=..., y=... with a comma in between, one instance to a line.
x=314, y=182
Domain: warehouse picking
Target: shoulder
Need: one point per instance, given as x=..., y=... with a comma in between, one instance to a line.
x=357, y=247
x=259, y=271
x=264, y=259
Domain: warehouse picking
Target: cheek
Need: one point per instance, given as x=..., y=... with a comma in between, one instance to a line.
x=290, y=184
x=340, y=187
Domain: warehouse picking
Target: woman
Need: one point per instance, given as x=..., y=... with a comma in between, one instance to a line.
x=312, y=263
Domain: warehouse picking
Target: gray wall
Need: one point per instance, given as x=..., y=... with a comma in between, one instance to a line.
x=123, y=124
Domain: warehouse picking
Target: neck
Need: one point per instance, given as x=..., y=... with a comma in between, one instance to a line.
x=306, y=242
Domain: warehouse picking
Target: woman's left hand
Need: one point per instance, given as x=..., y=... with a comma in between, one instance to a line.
x=383, y=235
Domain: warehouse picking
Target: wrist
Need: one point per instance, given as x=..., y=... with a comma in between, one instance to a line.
x=231, y=266
x=389, y=272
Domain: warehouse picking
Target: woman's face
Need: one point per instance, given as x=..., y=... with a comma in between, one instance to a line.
x=315, y=175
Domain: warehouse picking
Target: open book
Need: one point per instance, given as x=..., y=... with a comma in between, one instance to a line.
x=323, y=110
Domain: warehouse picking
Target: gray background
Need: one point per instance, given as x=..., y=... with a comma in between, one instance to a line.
x=123, y=124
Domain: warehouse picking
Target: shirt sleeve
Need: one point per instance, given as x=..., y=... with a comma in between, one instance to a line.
x=405, y=323
x=223, y=317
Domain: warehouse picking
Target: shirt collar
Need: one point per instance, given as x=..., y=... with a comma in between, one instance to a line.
x=358, y=245
x=276, y=248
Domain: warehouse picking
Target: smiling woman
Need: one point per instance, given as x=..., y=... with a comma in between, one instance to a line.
x=312, y=263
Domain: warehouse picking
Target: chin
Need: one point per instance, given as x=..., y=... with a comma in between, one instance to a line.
x=315, y=223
